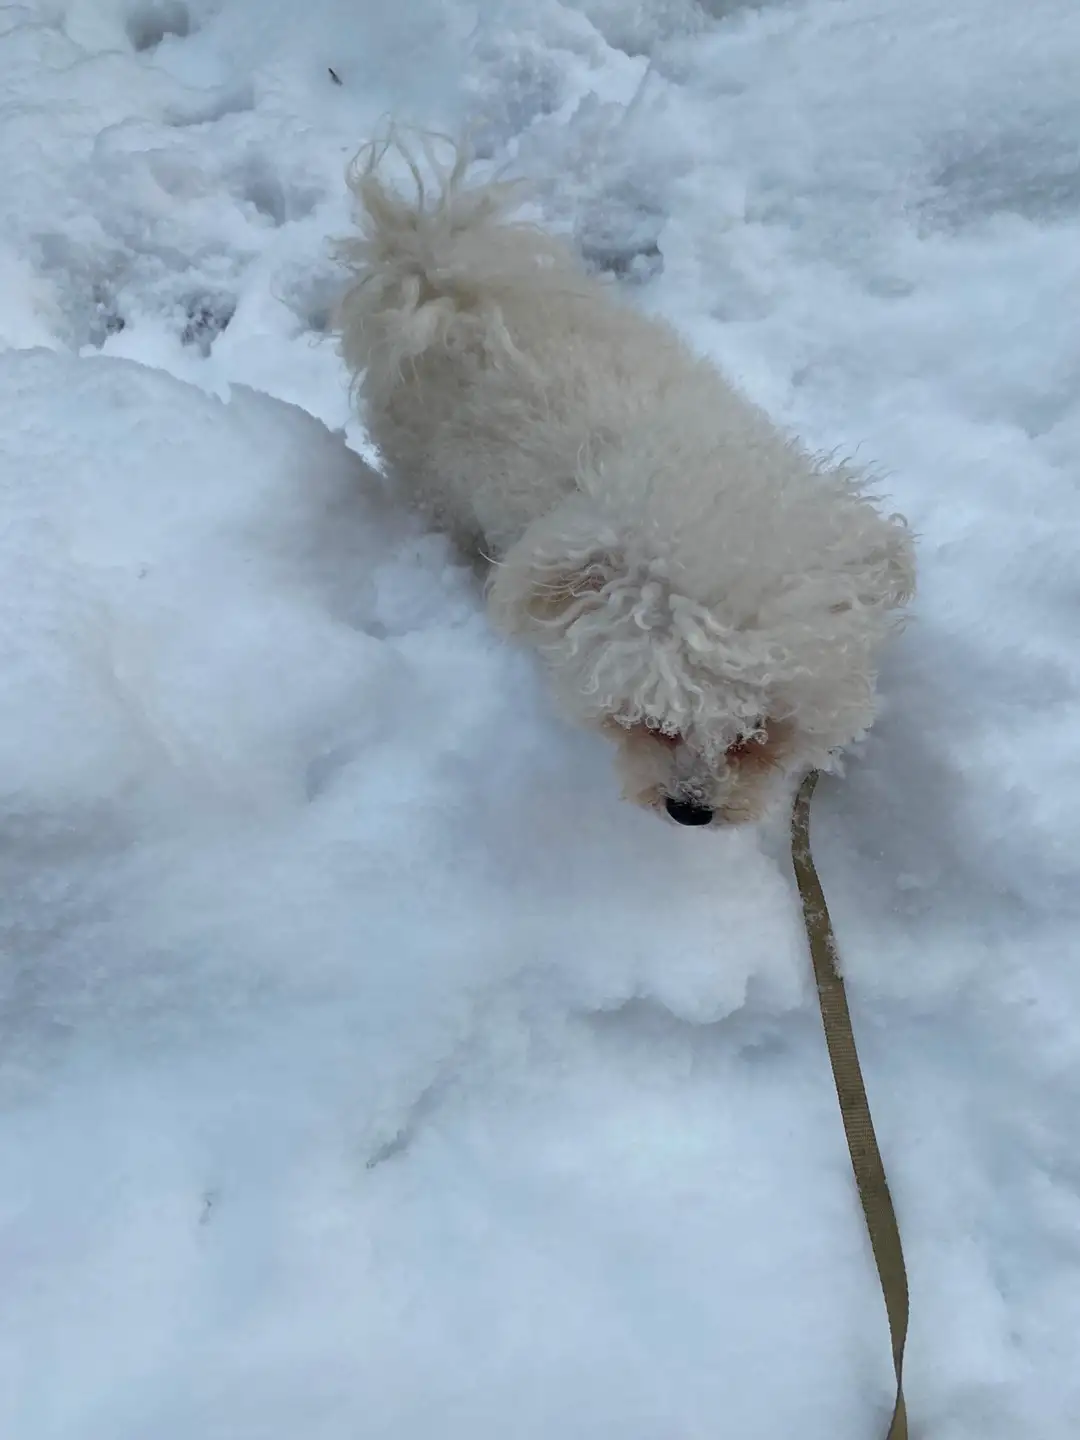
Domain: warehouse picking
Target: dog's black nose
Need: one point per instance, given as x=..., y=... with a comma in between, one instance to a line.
x=684, y=812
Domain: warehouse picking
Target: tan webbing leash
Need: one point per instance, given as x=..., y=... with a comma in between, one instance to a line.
x=858, y=1126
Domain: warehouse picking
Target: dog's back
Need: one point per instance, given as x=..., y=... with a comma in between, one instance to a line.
x=436, y=267
x=486, y=356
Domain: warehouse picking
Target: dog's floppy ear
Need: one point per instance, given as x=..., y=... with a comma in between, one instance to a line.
x=556, y=598
x=555, y=572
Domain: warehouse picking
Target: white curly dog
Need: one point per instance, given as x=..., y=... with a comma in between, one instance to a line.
x=701, y=590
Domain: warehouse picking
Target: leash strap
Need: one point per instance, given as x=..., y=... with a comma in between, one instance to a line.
x=854, y=1109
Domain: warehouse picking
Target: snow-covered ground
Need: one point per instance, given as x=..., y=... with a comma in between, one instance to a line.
x=368, y=1071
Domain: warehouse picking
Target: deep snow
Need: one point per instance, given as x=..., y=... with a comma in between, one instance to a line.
x=366, y=1068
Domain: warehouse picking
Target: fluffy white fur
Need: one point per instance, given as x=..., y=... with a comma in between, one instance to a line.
x=699, y=587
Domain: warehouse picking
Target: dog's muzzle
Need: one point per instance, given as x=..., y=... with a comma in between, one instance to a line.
x=685, y=812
